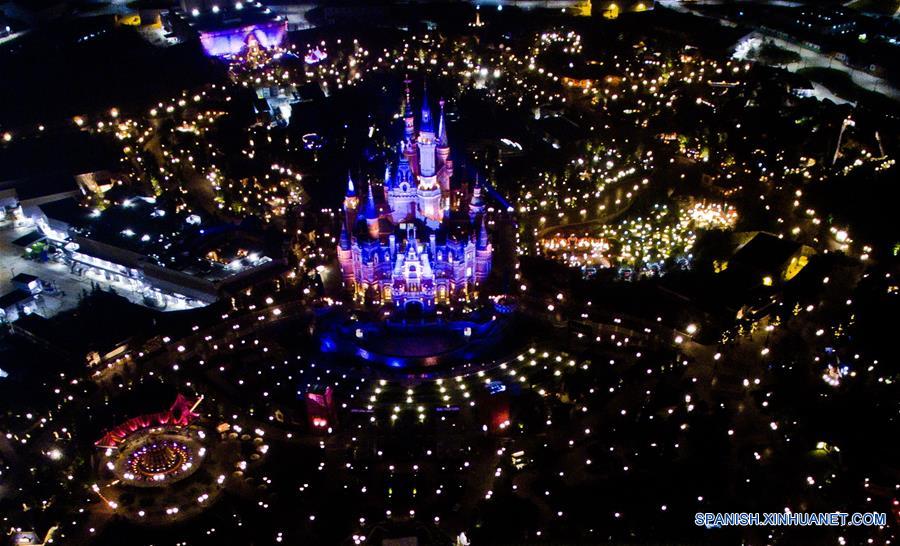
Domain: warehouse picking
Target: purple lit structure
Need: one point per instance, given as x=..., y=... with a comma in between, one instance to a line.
x=428, y=243
x=231, y=41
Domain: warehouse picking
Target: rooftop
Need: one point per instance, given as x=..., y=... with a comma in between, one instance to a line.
x=24, y=278
x=14, y=297
x=150, y=230
x=220, y=19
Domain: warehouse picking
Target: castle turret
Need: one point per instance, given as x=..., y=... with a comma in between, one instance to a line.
x=483, y=252
x=443, y=141
x=406, y=112
x=476, y=204
x=482, y=236
x=429, y=197
x=351, y=204
x=427, y=123
x=404, y=171
x=401, y=194
x=371, y=215
x=345, y=254
x=388, y=183
x=344, y=241
x=426, y=143
x=443, y=147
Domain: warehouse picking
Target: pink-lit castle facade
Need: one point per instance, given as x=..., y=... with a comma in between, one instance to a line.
x=423, y=241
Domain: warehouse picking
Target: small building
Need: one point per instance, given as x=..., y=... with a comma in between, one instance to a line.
x=767, y=259
x=15, y=304
x=226, y=31
x=28, y=283
x=611, y=9
x=141, y=246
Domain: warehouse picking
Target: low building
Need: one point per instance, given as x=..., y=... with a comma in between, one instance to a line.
x=826, y=20
x=28, y=283
x=169, y=259
x=15, y=304
x=227, y=31
x=765, y=259
x=611, y=9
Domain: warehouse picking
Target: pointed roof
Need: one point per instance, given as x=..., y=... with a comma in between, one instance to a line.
x=406, y=108
x=477, y=200
x=345, y=237
x=427, y=122
x=370, y=213
x=442, y=128
x=351, y=189
x=482, y=235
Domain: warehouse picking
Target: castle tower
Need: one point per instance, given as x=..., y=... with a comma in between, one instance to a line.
x=444, y=163
x=426, y=141
x=351, y=204
x=483, y=251
x=406, y=112
x=402, y=191
x=428, y=192
x=443, y=143
x=345, y=259
x=483, y=241
x=429, y=199
x=476, y=204
x=388, y=182
x=371, y=215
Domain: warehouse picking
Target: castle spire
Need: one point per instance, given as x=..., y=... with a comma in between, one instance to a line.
x=406, y=112
x=345, y=237
x=477, y=200
x=408, y=81
x=427, y=123
x=351, y=190
x=351, y=205
x=371, y=215
x=482, y=235
x=370, y=204
x=442, y=128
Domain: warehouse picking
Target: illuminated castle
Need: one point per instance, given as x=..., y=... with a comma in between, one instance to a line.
x=426, y=242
